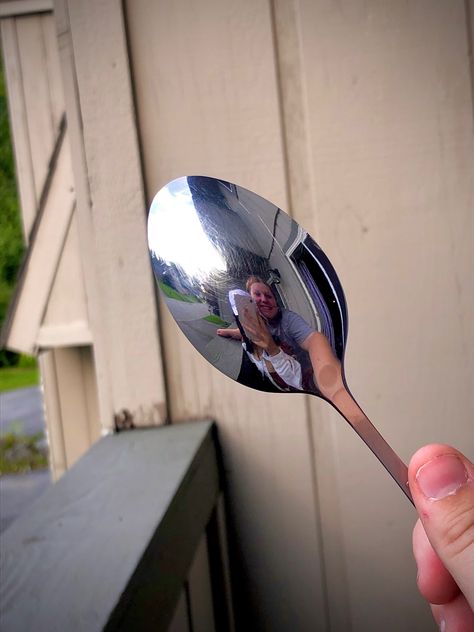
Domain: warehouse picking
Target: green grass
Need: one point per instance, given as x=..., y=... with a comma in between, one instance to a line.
x=216, y=320
x=15, y=377
x=22, y=453
x=172, y=293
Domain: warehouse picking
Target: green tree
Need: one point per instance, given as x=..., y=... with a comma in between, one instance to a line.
x=11, y=238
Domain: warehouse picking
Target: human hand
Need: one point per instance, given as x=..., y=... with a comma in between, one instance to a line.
x=258, y=332
x=230, y=332
x=442, y=485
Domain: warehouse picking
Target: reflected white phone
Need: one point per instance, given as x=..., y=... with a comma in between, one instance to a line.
x=244, y=305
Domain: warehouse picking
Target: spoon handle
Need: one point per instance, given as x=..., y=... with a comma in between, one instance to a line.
x=346, y=405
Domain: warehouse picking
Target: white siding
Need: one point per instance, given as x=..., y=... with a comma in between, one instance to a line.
x=111, y=210
x=357, y=118
x=353, y=117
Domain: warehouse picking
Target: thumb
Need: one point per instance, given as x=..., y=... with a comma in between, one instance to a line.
x=442, y=485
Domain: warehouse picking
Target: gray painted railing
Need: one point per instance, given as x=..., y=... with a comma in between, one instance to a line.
x=131, y=538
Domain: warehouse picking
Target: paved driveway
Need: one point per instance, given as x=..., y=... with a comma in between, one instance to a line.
x=23, y=408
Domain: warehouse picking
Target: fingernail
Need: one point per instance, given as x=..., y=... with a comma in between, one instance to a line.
x=442, y=476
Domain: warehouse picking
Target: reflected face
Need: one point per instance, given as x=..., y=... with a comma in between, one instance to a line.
x=264, y=299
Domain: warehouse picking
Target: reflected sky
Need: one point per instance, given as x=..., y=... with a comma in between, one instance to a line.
x=175, y=233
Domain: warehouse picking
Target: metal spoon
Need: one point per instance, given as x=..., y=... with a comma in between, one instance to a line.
x=256, y=296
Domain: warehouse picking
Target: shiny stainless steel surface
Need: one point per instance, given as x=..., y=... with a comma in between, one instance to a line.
x=256, y=296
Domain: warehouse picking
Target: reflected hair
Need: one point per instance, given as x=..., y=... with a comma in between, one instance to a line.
x=254, y=279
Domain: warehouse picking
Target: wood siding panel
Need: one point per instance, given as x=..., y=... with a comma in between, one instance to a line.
x=70, y=372
x=42, y=130
x=207, y=101
x=70, y=398
x=389, y=118
x=302, y=205
x=89, y=383
x=36, y=102
x=43, y=257
x=51, y=395
x=71, y=405
x=53, y=69
x=378, y=134
x=111, y=210
x=19, y=125
x=67, y=304
x=357, y=117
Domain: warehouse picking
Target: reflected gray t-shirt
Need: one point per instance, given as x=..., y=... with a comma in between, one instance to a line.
x=291, y=330
x=290, y=327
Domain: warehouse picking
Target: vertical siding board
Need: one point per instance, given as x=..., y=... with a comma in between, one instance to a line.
x=53, y=70
x=72, y=403
x=390, y=130
x=42, y=134
x=111, y=210
x=35, y=100
x=70, y=398
x=83, y=200
x=67, y=302
x=304, y=208
x=41, y=266
x=57, y=452
x=199, y=112
x=18, y=123
x=90, y=394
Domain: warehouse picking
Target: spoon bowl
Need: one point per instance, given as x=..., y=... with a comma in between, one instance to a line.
x=256, y=296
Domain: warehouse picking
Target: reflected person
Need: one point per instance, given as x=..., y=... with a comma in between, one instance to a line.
x=265, y=365
x=285, y=329
x=321, y=369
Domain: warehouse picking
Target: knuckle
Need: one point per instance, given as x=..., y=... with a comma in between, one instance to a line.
x=458, y=530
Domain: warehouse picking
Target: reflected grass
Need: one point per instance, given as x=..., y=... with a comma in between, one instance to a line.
x=170, y=292
x=216, y=320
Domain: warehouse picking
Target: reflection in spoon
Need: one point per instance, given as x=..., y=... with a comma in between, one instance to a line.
x=256, y=296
